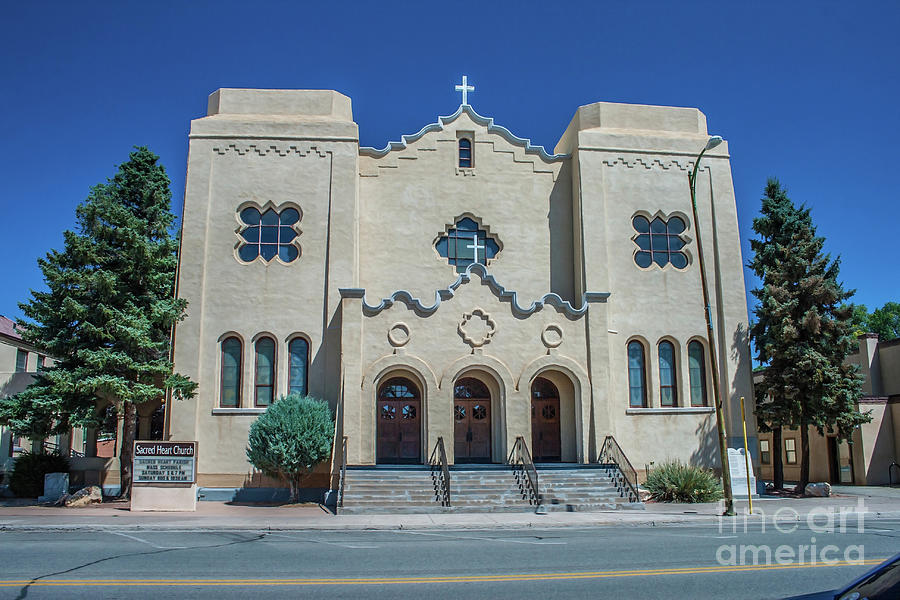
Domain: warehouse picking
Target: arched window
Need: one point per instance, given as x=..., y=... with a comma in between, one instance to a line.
x=637, y=391
x=668, y=391
x=465, y=153
x=230, y=395
x=697, y=370
x=299, y=356
x=265, y=371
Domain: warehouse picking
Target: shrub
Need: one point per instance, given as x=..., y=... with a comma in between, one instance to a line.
x=675, y=481
x=27, y=477
x=291, y=438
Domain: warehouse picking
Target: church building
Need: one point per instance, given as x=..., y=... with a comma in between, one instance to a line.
x=461, y=284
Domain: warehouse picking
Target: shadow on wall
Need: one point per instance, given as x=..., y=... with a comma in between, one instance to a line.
x=707, y=452
x=882, y=451
x=562, y=263
x=16, y=384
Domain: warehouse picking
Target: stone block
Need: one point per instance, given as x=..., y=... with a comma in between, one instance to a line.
x=56, y=485
x=84, y=497
x=818, y=489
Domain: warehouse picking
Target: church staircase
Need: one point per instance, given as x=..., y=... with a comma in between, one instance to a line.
x=484, y=488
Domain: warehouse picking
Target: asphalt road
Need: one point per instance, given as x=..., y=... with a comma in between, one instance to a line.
x=609, y=562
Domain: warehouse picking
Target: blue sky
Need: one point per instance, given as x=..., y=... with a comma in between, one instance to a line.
x=805, y=91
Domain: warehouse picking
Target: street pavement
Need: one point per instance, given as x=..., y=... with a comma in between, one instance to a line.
x=787, y=547
x=687, y=561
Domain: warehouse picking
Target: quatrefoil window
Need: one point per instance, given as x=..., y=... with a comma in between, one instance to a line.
x=459, y=412
x=479, y=412
x=466, y=243
x=548, y=412
x=268, y=234
x=659, y=242
x=388, y=412
x=409, y=412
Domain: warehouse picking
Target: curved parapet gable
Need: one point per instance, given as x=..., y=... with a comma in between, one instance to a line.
x=498, y=290
x=487, y=122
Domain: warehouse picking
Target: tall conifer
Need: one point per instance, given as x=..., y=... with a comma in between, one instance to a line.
x=803, y=334
x=108, y=313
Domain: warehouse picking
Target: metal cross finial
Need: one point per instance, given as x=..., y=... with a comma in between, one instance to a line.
x=465, y=88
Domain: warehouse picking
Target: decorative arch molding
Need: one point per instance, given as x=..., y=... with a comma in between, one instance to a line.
x=504, y=295
x=472, y=362
x=487, y=122
x=264, y=334
x=231, y=333
x=415, y=366
x=556, y=362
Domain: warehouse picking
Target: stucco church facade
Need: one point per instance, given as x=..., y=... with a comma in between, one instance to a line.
x=460, y=284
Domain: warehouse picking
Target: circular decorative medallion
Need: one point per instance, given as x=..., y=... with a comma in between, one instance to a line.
x=398, y=335
x=477, y=328
x=552, y=335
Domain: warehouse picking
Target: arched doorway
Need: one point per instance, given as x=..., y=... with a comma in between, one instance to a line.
x=471, y=421
x=399, y=417
x=546, y=444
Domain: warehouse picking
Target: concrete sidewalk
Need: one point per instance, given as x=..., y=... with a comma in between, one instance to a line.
x=224, y=516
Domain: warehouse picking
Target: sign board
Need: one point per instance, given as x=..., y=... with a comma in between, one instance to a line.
x=165, y=462
x=737, y=466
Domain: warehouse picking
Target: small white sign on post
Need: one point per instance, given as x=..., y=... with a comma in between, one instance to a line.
x=737, y=466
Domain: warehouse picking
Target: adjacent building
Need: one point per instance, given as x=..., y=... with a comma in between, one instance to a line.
x=872, y=457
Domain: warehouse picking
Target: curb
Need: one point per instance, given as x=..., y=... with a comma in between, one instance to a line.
x=655, y=521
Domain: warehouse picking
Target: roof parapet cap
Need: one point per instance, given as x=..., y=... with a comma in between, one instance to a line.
x=302, y=103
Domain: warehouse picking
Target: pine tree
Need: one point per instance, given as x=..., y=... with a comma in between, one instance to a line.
x=803, y=332
x=108, y=313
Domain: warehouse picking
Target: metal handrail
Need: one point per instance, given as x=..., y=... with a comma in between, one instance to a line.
x=526, y=473
x=612, y=453
x=343, y=475
x=440, y=472
x=891, y=473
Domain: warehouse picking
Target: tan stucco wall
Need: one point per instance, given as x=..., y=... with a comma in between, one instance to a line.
x=370, y=220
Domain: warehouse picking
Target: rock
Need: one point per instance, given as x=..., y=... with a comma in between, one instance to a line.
x=56, y=485
x=818, y=489
x=84, y=497
x=643, y=495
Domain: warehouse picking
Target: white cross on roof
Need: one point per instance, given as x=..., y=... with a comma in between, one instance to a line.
x=465, y=88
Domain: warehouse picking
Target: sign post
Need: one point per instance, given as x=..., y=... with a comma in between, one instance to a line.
x=165, y=476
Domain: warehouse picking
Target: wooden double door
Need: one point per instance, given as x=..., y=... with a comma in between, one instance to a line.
x=546, y=442
x=471, y=422
x=399, y=423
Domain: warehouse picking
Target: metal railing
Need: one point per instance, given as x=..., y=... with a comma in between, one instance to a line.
x=625, y=479
x=343, y=474
x=525, y=472
x=440, y=472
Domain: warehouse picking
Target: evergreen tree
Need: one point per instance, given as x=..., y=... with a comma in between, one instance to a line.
x=803, y=333
x=108, y=312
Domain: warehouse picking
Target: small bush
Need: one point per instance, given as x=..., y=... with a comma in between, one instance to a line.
x=291, y=438
x=27, y=477
x=675, y=481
